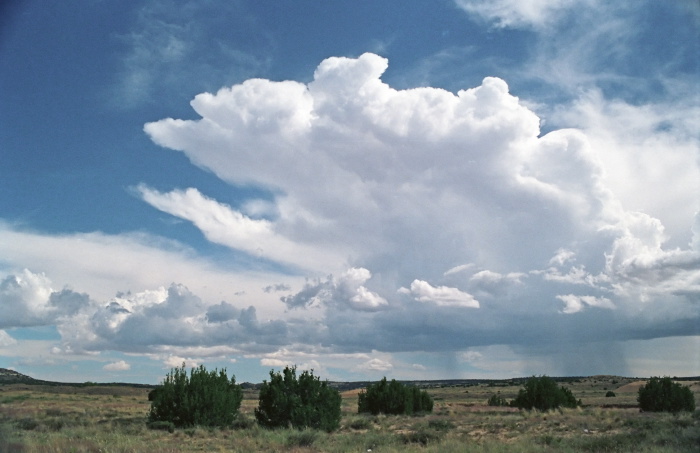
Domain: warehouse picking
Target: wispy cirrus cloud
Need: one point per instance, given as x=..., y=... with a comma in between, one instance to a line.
x=223, y=225
x=522, y=13
x=170, y=48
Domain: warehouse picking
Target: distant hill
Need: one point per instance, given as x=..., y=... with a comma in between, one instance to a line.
x=13, y=377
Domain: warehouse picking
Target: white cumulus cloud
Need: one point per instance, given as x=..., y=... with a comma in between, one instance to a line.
x=119, y=365
x=403, y=184
x=376, y=365
x=470, y=356
x=27, y=299
x=442, y=295
x=347, y=290
x=574, y=304
x=174, y=361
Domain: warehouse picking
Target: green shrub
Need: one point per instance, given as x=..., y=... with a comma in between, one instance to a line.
x=610, y=394
x=497, y=400
x=27, y=424
x=664, y=395
x=548, y=440
x=206, y=398
x=393, y=398
x=14, y=399
x=242, y=422
x=422, y=436
x=191, y=432
x=305, y=438
x=441, y=425
x=542, y=393
x=303, y=403
x=54, y=424
x=360, y=422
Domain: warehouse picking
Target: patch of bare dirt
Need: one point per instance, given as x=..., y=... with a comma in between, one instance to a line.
x=484, y=408
x=350, y=393
x=632, y=387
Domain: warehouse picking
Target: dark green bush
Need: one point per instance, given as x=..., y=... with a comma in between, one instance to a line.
x=27, y=424
x=497, y=400
x=153, y=394
x=303, y=403
x=610, y=394
x=548, y=440
x=664, y=395
x=542, y=393
x=205, y=398
x=393, y=398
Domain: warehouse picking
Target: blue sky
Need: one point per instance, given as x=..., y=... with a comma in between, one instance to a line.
x=411, y=189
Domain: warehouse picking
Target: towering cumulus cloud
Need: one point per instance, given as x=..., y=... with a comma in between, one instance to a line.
x=428, y=219
x=391, y=222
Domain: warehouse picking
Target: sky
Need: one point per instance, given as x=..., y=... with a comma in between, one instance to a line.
x=414, y=189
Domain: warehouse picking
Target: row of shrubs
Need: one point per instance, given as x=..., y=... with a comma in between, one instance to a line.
x=542, y=393
x=210, y=398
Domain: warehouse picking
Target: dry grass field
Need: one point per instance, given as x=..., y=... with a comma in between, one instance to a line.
x=35, y=418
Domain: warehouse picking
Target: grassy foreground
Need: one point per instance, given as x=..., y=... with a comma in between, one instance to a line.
x=35, y=418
